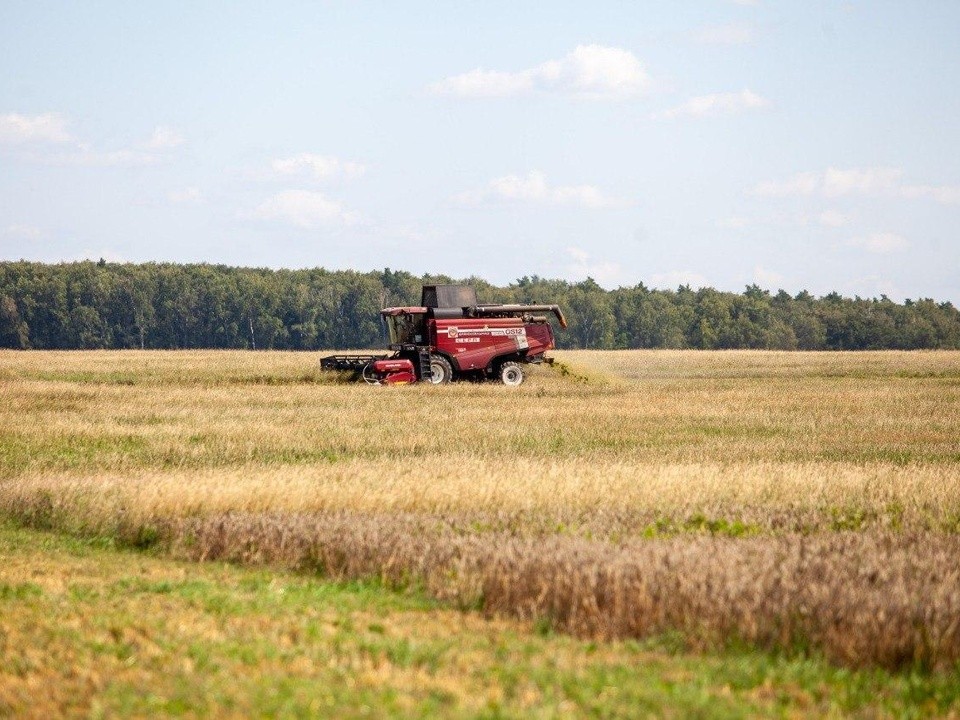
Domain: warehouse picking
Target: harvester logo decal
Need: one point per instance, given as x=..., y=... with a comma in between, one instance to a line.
x=454, y=332
x=474, y=335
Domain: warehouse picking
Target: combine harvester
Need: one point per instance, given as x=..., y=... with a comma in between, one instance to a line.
x=450, y=337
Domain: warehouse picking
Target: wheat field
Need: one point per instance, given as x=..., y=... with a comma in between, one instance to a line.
x=793, y=501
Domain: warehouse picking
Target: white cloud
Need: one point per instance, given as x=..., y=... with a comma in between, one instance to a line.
x=164, y=138
x=480, y=83
x=305, y=209
x=832, y=218
x=582, y=266
x=746, y=3
x=827, y=218
x=22, y=232
x=943, y=194
x=766, y=278
x=714, y=105
x=321, y=167
x=837, y=182
x=533, y=188
x=731, y=34
x=672, y=280
x=48, y=128
x=52, y=128
x=590, y=71
x=881, y=243
x=864, y=181
x=188, y=195
x=832, y=182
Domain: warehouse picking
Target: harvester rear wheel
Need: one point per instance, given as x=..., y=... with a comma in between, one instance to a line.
x=511, y=374
x=440, y=370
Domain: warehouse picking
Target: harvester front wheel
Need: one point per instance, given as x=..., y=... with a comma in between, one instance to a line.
x=440, y=370
x=511, y=374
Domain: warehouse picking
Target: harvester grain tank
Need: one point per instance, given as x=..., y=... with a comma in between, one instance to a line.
x=451, y=336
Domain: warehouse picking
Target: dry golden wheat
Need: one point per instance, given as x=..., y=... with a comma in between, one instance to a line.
x=781, y=498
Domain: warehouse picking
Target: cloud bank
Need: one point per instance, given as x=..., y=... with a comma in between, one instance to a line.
x=715, y=105
x=45, y=128
x=534, y=189
x=837, y=182
x=594, y=72
x=35, y=134
x=320, y=167
x=306, y=209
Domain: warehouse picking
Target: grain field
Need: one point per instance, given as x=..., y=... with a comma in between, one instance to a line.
x=799, y=502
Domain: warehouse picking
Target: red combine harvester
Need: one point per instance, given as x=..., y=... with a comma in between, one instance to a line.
x=451, y=336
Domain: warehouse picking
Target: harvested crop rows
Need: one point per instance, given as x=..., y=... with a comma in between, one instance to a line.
x=797, y=501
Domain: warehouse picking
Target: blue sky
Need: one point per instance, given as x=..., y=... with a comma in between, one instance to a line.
x=804, y=145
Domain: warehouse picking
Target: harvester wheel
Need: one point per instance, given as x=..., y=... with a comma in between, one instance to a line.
x=440, y=370
x=511, y=374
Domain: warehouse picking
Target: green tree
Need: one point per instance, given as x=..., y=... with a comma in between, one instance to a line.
x=14, y=333
x=590, y=316
x=86, y=304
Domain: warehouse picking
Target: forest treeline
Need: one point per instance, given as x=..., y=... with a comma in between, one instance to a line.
x=159, y=305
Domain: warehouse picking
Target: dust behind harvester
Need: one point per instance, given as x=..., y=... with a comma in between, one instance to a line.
x=450, y=336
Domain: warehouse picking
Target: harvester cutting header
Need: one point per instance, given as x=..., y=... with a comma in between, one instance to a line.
x=450, y=336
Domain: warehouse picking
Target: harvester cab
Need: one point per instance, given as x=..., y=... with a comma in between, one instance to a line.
x=451, y=336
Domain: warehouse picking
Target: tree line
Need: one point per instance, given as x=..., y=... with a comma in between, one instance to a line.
x=163, y=305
